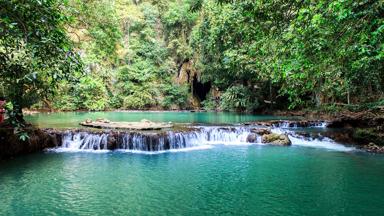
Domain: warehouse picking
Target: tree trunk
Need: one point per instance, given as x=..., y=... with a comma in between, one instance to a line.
x=348, y=97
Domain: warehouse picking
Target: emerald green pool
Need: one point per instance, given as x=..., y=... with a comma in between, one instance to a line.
x=72, y=119
x=223, y=180
x=311, y=177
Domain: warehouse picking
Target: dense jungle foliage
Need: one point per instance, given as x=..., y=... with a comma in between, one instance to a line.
x=240, y=55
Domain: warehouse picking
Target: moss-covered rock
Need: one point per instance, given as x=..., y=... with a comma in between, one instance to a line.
x=368, y=135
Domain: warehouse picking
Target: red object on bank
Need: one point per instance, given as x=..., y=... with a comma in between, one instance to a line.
x=2, y=110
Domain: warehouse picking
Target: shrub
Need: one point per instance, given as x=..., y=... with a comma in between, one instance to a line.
x=116, y=101
x=238, y=98
x=64, y=102
x=210, y=103
x=175, y=95
x=367, y=135
x=138, y=100
x=91, y=94
x=64, y=99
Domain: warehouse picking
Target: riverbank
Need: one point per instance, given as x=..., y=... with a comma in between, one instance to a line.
x=11, y=145
x=345, y=118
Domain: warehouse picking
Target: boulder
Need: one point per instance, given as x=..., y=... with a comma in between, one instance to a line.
x=276, y=139
x=252, y=138
x=112, y=141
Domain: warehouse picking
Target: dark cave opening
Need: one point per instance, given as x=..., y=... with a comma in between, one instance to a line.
x=200, y=90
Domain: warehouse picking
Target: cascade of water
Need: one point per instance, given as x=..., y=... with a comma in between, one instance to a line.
x=176, y=140
x=320, y=142
x=325, y=143
x=158, y=142
x=83, y=140
x=310, y=124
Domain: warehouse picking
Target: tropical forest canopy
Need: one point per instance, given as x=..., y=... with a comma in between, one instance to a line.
x=240, y=55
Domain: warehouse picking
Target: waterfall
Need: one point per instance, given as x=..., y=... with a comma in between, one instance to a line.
x=314, y=142
x=191, y=138
x=141, y=141
x=84, y=141
x=325, y=143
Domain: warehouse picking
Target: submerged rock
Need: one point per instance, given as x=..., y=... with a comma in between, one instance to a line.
x=276, y=139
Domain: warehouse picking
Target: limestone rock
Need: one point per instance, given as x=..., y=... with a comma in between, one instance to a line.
x=103, y=120
x=142, y=125
x=276, y=139
x=261, y=131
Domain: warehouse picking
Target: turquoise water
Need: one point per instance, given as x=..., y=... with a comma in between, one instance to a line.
x=72, y=119
x=224, y=180
x=312, y=177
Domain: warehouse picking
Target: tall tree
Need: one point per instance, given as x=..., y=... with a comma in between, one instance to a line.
x=35, y=52
x=311, y=52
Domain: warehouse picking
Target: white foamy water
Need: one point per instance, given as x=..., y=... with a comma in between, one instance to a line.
x=287, y=124
x=198, y=138
x=325, y=143
x=73, y=150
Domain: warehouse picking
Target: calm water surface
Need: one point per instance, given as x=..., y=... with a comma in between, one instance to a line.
x=72, y=119
x=224, y=180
